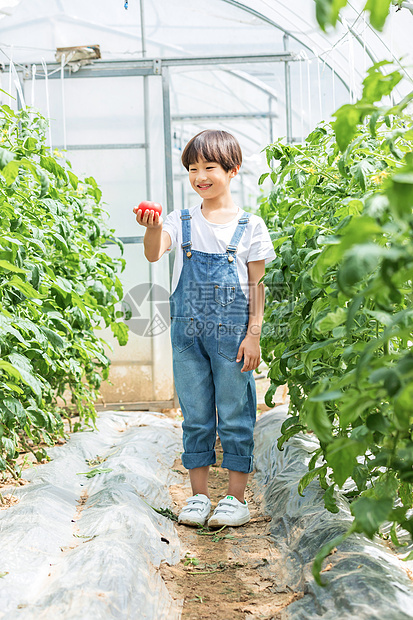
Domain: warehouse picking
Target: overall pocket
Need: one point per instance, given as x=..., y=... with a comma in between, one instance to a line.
x=224, y=295
x=230, y=337
x=182, y=332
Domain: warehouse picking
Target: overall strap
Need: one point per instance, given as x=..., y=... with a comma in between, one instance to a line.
x=233, y=245
x=186, y=232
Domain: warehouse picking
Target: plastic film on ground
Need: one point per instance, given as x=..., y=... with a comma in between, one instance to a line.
x=77, y=547
x=366, y=580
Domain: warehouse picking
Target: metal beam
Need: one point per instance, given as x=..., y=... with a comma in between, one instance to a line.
x=225, y=117
x=227, y=60
x=151, y=66
x=100, y=147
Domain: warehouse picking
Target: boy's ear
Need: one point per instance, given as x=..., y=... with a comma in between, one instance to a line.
x=234, y=171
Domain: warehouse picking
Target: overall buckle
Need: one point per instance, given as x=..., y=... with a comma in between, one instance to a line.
x=186, y=245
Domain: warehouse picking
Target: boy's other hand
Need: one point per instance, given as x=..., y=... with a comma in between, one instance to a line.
x=149, y=218
x=250, y=349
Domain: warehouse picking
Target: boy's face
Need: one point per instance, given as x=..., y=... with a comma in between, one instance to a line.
x=209, y=179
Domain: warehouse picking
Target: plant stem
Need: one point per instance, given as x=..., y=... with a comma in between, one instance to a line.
x=11, y=470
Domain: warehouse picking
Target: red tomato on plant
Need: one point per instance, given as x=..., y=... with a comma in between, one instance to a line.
x=148, y=205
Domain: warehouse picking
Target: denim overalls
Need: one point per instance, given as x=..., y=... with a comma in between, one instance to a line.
x=209, y=319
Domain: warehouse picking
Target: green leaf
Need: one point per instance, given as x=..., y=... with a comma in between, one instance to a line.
x=53, y=337
x=314, y=458
x=332, y=320
x=5, y=157
x=50, y=164
x=406, y=494
x=403, y=411
x=377, y=85
x=386, y=486
x=5, y=264
x=121, y=332
x=360, y=476
x=317, y=420
x=325, y=551
x=10, y=171
x=269, y=395
x=10, y=369
x=326, y=396
x=400, y=193
x=94, y=472
x=341, y=456
x=16, y=409
x=74, y=181
x=359, y=261
x=345, y=125
x=23, y=366
x=308, y=477
x=329, y=500
x=360, y=170
x=263, y=177
x=290, y=432
x=379, y=10
x=30, y=143
x=327, y=12
x=24, y=287
x=370, y=513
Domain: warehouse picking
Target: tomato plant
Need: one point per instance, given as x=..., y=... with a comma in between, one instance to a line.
x=57, y=287
x=339, y=319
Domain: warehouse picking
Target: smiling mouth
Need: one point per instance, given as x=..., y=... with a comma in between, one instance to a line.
x=204, y=186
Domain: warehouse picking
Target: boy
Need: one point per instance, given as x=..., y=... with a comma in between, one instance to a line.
x=216, y=315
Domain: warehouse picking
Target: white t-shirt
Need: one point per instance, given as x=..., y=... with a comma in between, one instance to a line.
x=255, y=243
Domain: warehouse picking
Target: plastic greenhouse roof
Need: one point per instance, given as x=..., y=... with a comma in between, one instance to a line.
x=328, y=70
x=32, y=29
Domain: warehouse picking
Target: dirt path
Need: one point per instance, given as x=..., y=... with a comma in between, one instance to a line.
x=230, y=574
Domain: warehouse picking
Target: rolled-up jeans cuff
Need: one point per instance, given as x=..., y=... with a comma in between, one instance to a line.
x=190, y=460
x=236, y=462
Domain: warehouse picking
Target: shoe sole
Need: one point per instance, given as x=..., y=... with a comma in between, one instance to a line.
x=190, y=522
x=217, y=523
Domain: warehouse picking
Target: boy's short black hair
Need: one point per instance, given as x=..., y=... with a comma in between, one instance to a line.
x=213, y=145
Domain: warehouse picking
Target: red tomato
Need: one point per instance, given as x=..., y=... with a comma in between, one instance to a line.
x=148, y=205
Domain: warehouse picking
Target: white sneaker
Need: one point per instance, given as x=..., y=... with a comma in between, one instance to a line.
x=196, y=511
x=230, y=511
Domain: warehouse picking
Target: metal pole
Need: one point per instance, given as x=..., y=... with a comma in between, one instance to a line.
x=270, y=116
x=287, y=92
x=241, y=178
x=146, y=106
x=169, y=177
x=148, y=178
x=167, y=128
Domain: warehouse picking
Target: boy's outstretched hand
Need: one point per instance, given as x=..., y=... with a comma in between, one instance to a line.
x=148, y=218
x=250, y=349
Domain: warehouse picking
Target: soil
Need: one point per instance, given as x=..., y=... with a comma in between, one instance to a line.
x=234, y=573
